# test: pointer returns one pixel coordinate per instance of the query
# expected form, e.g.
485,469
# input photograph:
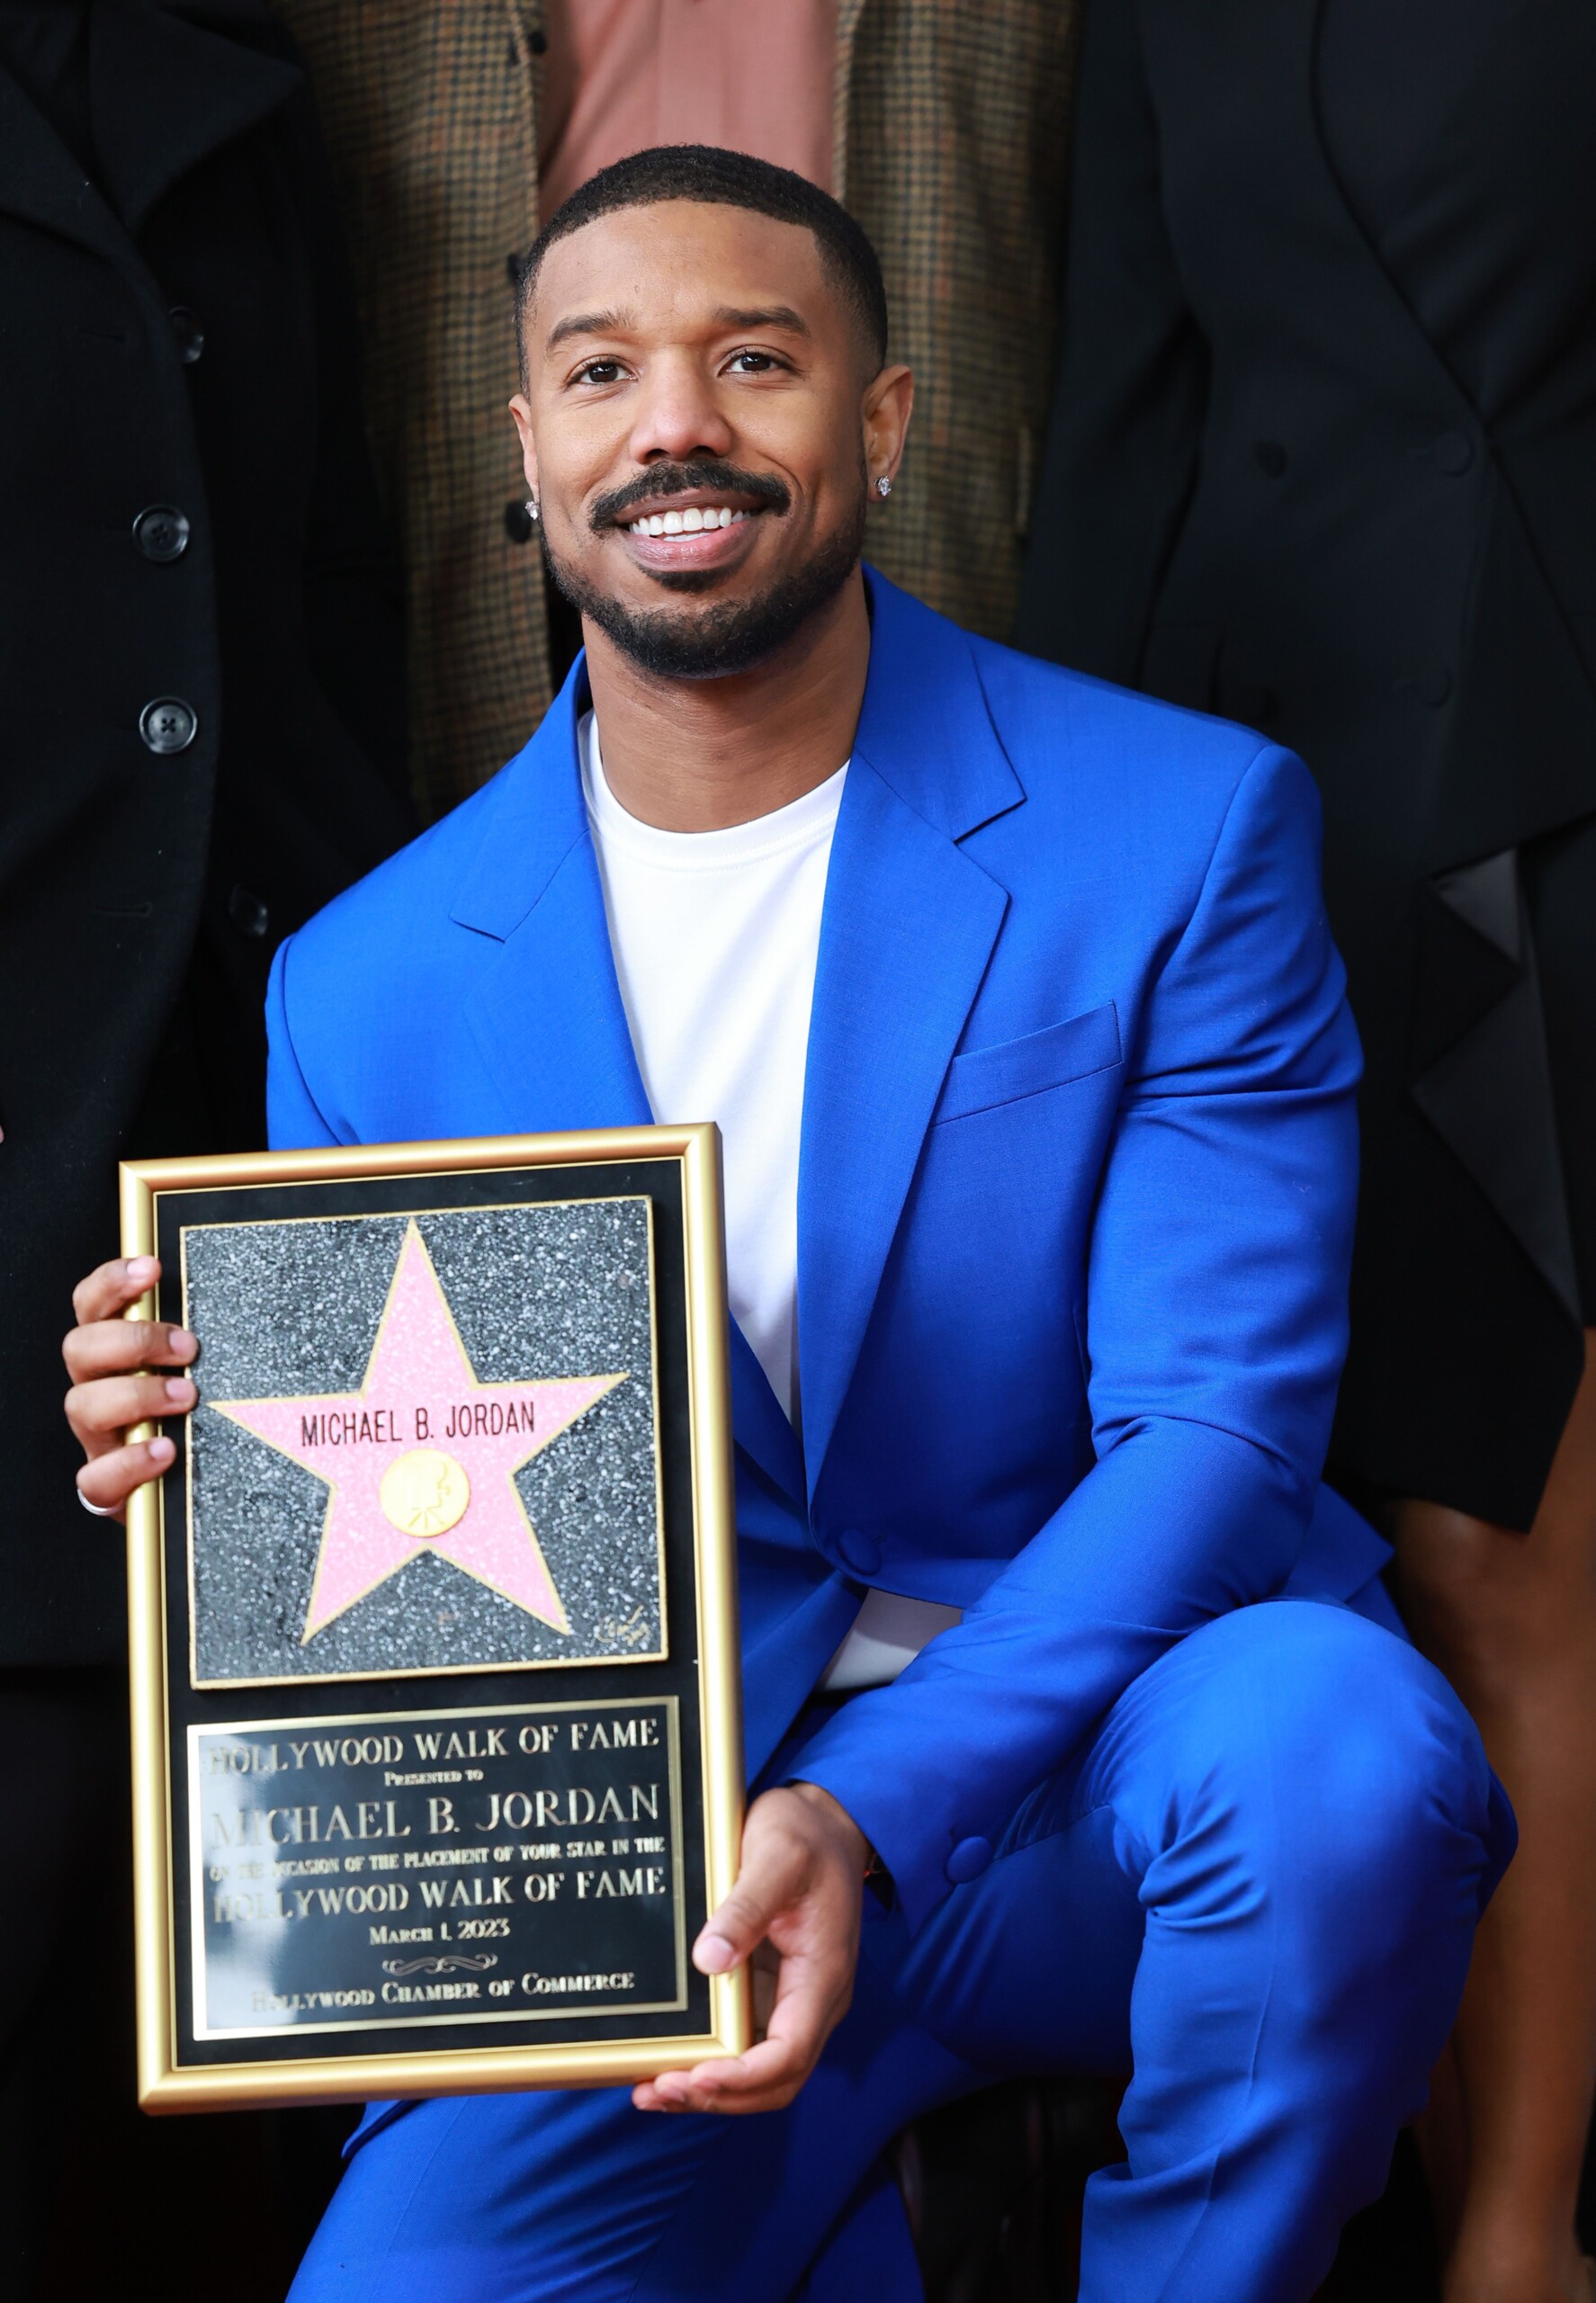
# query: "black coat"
1323,459
201,718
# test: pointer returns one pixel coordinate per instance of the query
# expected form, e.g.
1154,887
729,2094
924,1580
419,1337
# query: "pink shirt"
753,74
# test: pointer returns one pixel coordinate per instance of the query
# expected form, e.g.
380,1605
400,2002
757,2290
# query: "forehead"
669,268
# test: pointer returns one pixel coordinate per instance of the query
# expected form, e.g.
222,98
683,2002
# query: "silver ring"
100,1510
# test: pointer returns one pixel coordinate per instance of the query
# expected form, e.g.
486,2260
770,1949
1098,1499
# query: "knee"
1349,1770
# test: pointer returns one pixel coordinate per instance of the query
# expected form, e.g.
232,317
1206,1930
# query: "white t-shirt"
715,935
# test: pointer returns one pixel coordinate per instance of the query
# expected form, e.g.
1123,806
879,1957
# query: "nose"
677,419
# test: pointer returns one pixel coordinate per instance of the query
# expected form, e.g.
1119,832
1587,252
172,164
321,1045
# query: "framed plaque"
437,1763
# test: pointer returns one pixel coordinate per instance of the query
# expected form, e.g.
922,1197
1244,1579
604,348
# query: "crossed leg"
1259,1882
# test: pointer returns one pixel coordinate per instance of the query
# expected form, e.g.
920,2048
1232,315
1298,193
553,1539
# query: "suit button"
162,533
168,724
190,335
1454,453
968,1860
247,913
860,1552
1272,458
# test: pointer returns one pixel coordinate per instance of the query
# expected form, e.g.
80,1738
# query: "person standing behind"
1323,459
943,125
199,654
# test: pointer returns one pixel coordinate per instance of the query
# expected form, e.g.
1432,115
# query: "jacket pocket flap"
1051,1058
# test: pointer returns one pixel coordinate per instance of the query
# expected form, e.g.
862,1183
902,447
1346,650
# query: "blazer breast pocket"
985,1077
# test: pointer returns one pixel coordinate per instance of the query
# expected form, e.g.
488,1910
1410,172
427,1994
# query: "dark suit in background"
201,741
1323,459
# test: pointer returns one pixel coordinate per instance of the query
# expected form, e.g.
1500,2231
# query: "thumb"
769,1879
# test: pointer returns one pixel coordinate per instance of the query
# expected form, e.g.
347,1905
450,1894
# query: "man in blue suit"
1014,998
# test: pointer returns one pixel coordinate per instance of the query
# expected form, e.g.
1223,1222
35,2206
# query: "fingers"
812,1996
112,1288
116,1347
109,1479
798,1894
766,2079
105,1355
99,1410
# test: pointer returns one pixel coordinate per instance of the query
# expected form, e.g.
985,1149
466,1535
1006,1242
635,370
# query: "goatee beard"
724,637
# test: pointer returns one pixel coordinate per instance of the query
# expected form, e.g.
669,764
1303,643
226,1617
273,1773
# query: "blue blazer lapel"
760,1421
909,926
547,1014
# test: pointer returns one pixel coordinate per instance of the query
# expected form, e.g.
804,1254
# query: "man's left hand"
798,1895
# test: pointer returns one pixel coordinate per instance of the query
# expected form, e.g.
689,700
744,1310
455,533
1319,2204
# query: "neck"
699,755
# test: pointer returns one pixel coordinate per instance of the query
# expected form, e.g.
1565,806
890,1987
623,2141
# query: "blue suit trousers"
1255,1887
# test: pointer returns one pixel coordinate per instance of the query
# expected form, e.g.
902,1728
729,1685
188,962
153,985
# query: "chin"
728,635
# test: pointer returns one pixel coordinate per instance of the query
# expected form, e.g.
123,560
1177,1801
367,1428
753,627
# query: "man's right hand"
104,1353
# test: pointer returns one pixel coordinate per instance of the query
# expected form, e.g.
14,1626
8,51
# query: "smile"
708,532
693,521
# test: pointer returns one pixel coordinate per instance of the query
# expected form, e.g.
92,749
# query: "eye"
599,372
754,363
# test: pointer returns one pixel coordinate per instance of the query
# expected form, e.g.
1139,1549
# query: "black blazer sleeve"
1133,380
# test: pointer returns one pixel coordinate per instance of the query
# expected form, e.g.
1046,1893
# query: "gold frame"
163,2085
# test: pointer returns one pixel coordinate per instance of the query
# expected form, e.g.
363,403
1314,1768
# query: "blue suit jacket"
1076,1197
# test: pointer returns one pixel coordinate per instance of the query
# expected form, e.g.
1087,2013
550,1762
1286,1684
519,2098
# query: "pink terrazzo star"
422,1458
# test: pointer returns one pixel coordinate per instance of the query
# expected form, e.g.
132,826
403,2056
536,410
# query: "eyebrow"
764,316
590,323
619,323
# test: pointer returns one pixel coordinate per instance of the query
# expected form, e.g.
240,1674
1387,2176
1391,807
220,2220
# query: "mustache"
763,488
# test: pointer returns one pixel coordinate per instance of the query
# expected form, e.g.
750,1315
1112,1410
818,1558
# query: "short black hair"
723,179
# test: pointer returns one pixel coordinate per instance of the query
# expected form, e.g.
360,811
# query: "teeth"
690,522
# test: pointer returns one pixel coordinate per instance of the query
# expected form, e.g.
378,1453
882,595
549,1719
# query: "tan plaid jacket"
950,132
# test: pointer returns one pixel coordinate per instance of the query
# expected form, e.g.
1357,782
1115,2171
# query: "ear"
523,416
888,405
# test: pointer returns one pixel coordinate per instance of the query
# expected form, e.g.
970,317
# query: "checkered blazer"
952,120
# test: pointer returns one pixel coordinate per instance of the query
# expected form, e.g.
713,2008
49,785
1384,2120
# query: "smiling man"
1013,998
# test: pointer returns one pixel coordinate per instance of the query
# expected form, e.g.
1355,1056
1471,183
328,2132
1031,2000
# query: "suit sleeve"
1216,1326
293,1122
1131,385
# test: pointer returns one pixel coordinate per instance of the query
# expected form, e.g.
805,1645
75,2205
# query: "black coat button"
248,913
162,533
1454,453
190,335
518,522
168,724
1272,458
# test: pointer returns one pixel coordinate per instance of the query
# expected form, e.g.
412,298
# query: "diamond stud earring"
883,486
532,507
